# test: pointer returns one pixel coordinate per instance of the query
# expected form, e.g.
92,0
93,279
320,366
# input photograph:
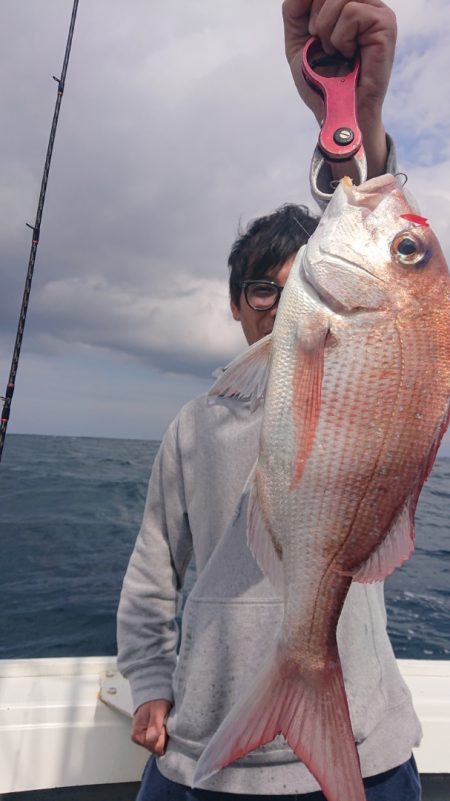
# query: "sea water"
70,510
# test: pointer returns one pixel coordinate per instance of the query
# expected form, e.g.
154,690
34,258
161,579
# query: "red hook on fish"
340,138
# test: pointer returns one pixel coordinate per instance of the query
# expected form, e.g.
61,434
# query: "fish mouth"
335,265
371,193
385,182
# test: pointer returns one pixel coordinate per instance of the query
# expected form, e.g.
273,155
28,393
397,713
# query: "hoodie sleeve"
147,633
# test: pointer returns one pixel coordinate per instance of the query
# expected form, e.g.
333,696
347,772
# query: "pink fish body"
356,403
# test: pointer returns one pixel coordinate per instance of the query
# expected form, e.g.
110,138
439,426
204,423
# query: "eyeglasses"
261,295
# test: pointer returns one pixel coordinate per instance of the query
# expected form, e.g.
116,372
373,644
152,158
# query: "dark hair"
267,243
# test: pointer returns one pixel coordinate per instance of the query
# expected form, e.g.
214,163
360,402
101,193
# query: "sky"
179,122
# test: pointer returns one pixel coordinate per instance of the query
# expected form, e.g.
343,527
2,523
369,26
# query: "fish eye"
409,250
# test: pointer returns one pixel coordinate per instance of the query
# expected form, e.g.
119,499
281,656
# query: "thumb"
153,730
156,735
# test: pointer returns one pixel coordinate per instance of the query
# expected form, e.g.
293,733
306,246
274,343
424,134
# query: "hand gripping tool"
340,138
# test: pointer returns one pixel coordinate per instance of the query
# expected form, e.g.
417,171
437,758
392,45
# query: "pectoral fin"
395,549
307,398
246,376
398,544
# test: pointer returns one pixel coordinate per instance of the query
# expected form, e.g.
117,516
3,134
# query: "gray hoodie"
233,614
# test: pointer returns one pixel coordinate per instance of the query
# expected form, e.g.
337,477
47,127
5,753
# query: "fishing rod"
36,228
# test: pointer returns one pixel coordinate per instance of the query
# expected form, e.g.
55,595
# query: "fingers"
155,739
296,19
337,23
296,25
342,25
149,728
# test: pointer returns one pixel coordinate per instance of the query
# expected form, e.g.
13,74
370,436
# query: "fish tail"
310,709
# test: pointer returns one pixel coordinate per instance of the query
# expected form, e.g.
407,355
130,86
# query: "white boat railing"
65,722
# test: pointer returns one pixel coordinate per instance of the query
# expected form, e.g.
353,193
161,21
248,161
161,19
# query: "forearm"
147,634
375,145
375,148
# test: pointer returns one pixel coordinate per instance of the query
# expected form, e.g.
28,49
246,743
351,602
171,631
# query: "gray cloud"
173,126
179,120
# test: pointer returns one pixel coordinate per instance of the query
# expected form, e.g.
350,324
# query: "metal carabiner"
340,138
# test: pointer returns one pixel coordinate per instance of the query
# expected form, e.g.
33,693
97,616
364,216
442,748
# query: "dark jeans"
398,784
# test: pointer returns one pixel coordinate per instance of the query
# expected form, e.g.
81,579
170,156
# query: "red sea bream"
356,403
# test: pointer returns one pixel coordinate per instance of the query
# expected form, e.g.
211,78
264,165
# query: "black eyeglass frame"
245,284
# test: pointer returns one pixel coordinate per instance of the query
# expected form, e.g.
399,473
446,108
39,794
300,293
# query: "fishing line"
7,398
308,233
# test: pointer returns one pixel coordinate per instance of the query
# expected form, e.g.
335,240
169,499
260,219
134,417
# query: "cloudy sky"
179,121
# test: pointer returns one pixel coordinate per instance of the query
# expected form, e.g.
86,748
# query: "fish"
355,382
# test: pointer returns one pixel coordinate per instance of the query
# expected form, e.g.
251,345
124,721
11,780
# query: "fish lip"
377,183
368,195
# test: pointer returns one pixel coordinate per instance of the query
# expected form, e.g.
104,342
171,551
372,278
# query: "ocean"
70,510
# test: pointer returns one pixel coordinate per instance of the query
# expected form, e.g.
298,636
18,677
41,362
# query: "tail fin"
310,709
